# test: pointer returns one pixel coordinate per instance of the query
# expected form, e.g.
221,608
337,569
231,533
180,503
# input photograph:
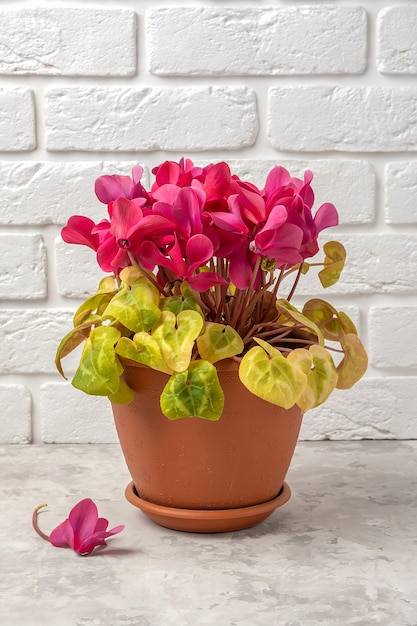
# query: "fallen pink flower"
82,531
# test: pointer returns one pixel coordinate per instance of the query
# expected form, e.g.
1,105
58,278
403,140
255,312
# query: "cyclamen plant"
197,265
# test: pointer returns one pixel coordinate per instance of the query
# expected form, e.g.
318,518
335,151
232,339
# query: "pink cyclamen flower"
83,530
110,187
198,250
79,230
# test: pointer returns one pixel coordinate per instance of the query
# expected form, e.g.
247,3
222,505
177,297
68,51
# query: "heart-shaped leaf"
354,364
193,393
123,395
104,294
135,306
130,275
219,341
334,262
99,369
270,376
292,316
73,339
143,349
321,374
333,324
175,336
177,304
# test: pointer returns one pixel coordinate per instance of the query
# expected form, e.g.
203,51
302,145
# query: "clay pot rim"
207,515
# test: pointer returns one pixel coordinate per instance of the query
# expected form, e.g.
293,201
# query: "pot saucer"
207,520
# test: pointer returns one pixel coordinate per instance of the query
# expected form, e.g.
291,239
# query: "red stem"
35,522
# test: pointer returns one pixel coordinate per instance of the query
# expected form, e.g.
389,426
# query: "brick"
376,263
68,41
50,192
401,192
396,40
77,271
331,180
131,119
322,118
22,267
29,339
245,41
15,416
71,416
391,336
17,120
374,408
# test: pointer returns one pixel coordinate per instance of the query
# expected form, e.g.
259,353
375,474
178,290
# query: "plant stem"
297,278
237,306
200,301
35,522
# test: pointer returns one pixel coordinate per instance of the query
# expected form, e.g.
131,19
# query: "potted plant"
193,337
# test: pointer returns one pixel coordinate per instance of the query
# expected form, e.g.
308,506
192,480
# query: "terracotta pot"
196,475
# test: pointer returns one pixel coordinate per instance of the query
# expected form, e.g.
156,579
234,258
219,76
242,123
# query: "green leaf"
124,395
292,316
270,376
143,349
106,290
268,265
321,374
346,323
193,393
73,339
175,336
333,324
177,304
354,364
135,306
219,341
334,262
99,370
130,275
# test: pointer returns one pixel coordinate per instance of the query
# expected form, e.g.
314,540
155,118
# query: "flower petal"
278,177
326,216
106,254
79,230
125,218
240,267
111,187
190,202
217,180
63,535
205,280
199,250
83,519
97,539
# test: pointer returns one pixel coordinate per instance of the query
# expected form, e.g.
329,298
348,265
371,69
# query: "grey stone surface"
341,552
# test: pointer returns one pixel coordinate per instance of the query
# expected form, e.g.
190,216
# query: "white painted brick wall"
22,267
390,329
375,265
325,117
88,88
68,42
153,119
17,120
29,338
401,192
257,41
16,414
67,420
397,43
40,193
